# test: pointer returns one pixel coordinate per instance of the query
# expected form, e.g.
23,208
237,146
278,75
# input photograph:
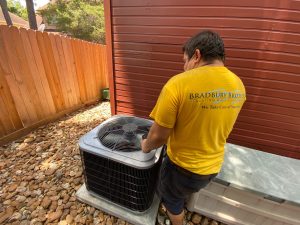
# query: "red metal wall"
262,40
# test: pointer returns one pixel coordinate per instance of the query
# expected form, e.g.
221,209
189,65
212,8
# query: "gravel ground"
40,174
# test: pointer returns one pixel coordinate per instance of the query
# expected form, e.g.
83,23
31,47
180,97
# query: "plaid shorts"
176,184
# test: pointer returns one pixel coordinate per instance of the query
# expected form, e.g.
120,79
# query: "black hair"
209,43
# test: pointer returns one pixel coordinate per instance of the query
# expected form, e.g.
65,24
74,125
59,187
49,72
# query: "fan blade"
144,128
111,139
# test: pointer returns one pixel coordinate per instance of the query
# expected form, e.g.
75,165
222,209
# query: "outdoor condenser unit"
115,168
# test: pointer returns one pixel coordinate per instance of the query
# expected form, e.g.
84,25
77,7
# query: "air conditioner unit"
117,173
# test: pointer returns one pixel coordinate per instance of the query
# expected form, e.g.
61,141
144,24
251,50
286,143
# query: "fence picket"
93,70
68,60
9,103
56,48
41,70
86,70
7,124
79,70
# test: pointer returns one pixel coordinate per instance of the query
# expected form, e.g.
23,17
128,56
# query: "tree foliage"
82,19
15,7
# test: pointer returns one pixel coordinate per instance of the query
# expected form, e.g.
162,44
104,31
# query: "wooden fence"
43,76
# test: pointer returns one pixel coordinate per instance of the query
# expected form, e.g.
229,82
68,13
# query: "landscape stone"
54,216
196,218
39,175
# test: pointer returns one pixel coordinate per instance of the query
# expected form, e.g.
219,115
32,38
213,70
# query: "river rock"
2,165
63,222
69,219
101,216
68,205
36,221
26,215
21,198
65,197
6,214
12,187
21,189
77,181
7,202
52,193
66,185
53,205
25,222
109,221
59,174
46,202
73,213
29,140
54,216
196,218
50,172
205,221
15,217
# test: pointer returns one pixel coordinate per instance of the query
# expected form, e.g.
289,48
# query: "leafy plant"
82,19
15,7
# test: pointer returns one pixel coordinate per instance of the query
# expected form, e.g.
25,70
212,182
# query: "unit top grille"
124,133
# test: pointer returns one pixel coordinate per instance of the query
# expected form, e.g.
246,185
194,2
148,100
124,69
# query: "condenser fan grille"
124,134
124,185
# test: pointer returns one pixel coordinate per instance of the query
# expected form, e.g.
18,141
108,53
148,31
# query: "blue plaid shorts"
176,184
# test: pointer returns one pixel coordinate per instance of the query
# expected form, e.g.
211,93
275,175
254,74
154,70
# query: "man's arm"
157,136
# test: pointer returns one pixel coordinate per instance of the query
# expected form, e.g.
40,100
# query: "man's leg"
176,219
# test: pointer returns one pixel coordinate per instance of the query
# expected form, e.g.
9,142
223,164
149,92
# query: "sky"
37,3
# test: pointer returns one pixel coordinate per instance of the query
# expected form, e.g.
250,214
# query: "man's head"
205,47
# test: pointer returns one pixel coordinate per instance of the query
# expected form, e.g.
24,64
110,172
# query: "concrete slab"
262,172
145,218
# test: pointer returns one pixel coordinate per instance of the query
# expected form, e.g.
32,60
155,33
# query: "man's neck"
213,63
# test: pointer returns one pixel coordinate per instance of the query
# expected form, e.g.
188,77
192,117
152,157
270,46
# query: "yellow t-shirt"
201,105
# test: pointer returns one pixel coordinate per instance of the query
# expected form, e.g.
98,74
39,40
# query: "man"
194,115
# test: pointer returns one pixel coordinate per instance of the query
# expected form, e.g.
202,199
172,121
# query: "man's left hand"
157,136
143,145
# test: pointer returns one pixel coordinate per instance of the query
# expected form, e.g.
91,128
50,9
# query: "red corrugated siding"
262,40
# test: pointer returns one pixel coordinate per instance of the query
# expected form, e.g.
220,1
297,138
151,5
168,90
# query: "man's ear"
197,56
